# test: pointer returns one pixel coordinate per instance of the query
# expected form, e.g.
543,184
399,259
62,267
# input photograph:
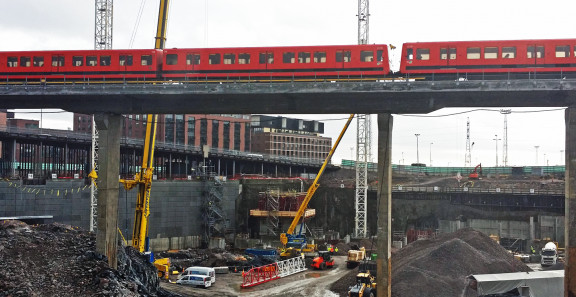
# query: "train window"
535,52
410,54
146,60
244,58
379,55
422,54
214,59
319,57
77,60
126,60
266,58
193,59
105,60
366,56
288,57
24,61
343,56
12,61
304,57
172,59
490,53
473,53
38,61
562,51
57,61
229,59
509,52
92,61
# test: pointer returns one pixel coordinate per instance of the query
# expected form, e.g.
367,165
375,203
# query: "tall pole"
363,136
505,112
417,151
431,143
468,155
496,139
536,147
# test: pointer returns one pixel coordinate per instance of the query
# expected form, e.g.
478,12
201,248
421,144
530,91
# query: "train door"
535,54
126,61
57,63
265,60
192,61
343,57
448,54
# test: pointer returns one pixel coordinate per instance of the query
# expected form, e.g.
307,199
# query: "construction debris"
60,260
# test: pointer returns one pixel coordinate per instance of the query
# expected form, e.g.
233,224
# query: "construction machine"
365,285
323,261
477,173
143,179
295,244
355,256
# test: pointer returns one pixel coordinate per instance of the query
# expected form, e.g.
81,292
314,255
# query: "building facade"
292,138
220,131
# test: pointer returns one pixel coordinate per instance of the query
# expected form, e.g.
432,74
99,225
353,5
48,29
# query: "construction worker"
331,250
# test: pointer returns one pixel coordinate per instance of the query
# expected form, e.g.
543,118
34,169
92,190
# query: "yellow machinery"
294,244
143,179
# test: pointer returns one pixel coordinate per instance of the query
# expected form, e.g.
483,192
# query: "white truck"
549,254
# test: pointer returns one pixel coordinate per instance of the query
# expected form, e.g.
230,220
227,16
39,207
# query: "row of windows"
342,56
58,61
507,52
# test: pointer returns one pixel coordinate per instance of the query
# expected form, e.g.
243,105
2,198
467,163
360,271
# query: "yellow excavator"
295,244
143,179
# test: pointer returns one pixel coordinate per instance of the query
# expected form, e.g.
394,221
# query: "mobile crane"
293,244
143,179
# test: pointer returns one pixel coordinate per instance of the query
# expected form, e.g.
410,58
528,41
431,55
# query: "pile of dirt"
440,266
60,260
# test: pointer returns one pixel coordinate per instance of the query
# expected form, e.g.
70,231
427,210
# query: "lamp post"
417,153
431,143
496,139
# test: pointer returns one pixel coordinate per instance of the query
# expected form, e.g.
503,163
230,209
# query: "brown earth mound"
438,267
60,260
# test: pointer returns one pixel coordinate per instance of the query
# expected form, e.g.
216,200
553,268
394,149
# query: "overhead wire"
137,24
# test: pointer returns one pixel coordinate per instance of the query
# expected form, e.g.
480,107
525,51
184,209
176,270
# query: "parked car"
195,280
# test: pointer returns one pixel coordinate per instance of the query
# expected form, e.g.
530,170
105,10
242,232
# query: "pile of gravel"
60,260
439,267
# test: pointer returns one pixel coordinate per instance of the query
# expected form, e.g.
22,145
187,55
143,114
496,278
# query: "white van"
195,280
198,270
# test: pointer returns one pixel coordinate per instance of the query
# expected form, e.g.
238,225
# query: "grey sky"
69,24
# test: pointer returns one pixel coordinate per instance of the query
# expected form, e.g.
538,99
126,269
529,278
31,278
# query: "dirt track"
308,283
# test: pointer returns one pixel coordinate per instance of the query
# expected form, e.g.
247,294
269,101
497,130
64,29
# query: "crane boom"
286,237
144,178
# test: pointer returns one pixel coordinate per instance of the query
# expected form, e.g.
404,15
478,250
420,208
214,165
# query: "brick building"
293,138
223,131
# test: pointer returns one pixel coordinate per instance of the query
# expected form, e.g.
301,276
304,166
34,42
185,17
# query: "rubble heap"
60,260
439,266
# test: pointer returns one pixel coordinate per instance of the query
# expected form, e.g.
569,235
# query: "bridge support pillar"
109,128
383,263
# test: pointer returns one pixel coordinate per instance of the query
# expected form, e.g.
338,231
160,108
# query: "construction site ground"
308,283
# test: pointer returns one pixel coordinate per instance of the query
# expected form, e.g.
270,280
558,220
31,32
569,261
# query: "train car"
82,64
298,62
502,59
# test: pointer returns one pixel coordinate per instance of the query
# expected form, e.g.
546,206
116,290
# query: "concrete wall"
174,206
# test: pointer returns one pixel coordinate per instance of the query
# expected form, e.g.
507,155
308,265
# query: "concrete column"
14,158
109,127
384,233
570,204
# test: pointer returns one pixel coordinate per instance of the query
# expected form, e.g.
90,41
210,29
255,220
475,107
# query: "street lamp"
417,153
431,143
496,139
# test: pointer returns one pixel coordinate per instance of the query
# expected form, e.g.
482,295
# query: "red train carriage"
491,59
277,62
74,65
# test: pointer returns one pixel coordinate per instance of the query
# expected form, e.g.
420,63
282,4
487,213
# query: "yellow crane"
143,179
296,243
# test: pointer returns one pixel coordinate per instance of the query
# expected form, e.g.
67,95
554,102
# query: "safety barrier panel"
266,273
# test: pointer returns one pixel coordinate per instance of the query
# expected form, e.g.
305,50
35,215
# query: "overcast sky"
69,24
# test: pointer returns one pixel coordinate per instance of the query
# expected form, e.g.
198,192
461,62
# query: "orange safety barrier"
260,275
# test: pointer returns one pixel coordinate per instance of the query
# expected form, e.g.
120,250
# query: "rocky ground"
60,260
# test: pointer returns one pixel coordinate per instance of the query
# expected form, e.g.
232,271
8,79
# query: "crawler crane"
143,179
294,244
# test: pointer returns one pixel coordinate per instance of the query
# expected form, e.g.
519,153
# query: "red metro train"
505,59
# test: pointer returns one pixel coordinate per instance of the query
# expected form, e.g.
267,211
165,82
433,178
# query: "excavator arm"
288,236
